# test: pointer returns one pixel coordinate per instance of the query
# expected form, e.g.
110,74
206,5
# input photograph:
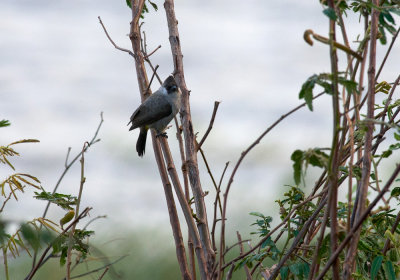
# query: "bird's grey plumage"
156,111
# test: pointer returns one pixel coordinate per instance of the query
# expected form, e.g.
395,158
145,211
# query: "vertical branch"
71,233
246,269
190,147
134,35
334,158
185,208
366,168
173,215
187,196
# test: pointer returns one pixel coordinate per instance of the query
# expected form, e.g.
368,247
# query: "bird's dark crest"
170,81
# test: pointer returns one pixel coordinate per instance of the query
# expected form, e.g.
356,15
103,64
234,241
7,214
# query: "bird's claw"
162,134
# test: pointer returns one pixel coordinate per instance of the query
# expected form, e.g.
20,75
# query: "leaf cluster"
61,243
65,201
145,9
324,80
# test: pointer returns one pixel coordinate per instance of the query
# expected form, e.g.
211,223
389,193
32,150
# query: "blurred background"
58,71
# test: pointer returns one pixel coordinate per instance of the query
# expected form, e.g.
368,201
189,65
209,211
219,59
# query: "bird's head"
170,85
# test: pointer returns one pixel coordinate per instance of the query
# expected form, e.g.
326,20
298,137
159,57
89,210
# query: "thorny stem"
334,158
366,164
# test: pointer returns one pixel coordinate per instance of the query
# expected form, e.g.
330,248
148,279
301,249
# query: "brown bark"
188,132
143,83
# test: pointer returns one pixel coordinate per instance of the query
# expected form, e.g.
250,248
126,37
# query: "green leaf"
318,158
154,5
330,13
297,157
284,271
388,16
4,123
389,271
31,236
257,214
376,266
63,200
397,136
295,268
306,269
306,91
395,192
350,86
128,3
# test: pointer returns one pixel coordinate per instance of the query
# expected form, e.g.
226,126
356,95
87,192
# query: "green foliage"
301,159
63,200
61,243
386,10
330,13
268,248
324,80
376,266
40,233
4,123
145,9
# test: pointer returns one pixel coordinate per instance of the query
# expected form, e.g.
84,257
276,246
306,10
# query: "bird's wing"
153,109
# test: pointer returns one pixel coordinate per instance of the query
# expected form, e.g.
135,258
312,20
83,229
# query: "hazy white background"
58,71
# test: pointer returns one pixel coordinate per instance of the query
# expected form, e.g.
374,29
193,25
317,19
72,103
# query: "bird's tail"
141,142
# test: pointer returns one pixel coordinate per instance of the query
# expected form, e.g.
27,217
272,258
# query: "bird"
156,112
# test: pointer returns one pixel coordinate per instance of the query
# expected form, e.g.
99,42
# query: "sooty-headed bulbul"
156,112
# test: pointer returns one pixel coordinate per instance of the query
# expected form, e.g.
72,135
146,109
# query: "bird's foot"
162,134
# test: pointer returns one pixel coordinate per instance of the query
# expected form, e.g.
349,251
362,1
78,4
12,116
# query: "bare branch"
112,42
210,126
150,54
387,54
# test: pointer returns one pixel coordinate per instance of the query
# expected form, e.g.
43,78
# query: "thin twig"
387,54
104,273
94,219
217,202
112,42
152,77
246,269
240,242
66,158
210,126
72,231
98,269
5,201
91,142
150,54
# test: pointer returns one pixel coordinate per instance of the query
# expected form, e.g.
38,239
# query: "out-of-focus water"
58,71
